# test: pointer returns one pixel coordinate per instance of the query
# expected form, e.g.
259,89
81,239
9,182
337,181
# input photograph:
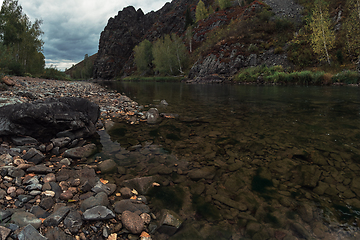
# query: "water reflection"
256,162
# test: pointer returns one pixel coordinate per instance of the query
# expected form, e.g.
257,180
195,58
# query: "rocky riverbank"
47,189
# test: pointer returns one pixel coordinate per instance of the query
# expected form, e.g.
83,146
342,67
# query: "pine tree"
188,19
201,12
322,37
352,27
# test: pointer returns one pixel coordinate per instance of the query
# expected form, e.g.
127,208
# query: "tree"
201,12
188,19
224,4
21,39
143,56
322,37
170,55
352,27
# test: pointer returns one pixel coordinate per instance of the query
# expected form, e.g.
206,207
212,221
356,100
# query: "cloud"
72,28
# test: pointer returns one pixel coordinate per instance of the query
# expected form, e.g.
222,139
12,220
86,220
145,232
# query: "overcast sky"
72,28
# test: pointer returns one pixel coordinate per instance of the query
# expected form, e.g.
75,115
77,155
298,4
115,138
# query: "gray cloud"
72,28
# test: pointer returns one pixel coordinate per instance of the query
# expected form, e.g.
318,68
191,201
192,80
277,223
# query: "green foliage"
188,19
201,12
352,28
323,37
276,74
53,73
348,77
170,55
83,70
223,4
265,15
20,41
143,56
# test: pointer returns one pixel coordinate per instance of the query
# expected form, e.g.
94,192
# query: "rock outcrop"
129,28
44,119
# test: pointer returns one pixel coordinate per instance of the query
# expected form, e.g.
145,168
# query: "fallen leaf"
104,181
135,192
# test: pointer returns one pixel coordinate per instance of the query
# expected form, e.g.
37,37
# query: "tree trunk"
324,39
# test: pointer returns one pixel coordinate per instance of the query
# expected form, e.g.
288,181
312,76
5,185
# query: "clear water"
278,162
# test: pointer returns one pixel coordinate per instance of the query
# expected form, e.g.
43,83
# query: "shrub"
278,50
349,77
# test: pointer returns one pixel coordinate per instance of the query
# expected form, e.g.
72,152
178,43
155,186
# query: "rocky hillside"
246,34
129,28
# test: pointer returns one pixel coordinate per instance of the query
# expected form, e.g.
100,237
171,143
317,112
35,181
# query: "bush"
349,77
53,73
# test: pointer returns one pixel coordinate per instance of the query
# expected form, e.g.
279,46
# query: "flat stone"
100,199
170,222
33,187
60,142
57,233
4,232
40,169
47,203
130,205
98,213
24,218
4,214
39,212
100,187
16,172
25,198
56,217
227,201
132,222
80,152
29,232
21,141
205,172
73,221
142,185
34,156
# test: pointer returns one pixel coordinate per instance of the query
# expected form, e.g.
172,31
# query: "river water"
252,162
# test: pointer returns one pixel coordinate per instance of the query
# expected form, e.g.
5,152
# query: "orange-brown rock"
8,81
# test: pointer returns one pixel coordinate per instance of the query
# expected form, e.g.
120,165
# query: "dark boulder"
43,119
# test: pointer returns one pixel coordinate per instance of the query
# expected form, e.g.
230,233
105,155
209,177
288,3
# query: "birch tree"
322,37
143,56
352,27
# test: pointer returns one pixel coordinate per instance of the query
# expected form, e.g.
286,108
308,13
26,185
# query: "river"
262,162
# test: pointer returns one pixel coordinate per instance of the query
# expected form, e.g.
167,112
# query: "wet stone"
29,232
130,205
170,222
98,213
142,185
205,172
132,222
80,152
108,166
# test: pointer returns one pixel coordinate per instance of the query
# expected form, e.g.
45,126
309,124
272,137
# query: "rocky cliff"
129,28
221,55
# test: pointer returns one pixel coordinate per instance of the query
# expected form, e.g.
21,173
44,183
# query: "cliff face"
128,29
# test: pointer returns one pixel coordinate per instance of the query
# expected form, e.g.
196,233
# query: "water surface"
256,162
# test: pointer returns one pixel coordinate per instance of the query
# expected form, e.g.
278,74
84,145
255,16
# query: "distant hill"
83,69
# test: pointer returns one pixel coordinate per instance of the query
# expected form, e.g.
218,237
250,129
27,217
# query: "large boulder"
43,119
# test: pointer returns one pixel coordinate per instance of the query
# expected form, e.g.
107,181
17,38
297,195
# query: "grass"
276,74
